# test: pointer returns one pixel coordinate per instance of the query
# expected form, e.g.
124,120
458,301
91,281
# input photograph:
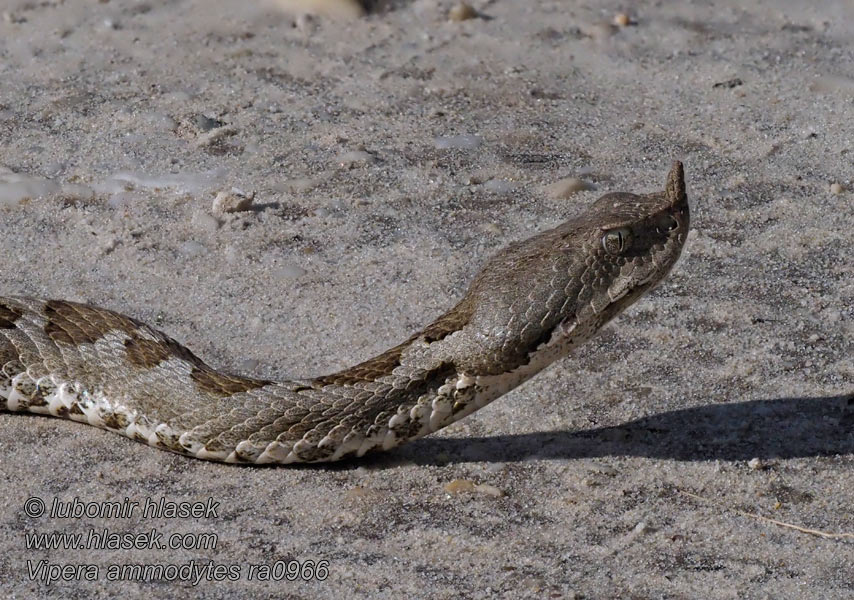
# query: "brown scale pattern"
8,316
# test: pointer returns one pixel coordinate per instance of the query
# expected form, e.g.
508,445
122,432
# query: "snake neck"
421,391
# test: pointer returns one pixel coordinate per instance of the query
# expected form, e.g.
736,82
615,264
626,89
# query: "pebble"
301,185
108,242
459,485
729,83
461,12
214,135
233,201
54,168
565,188
356,493
458,142
836,188
78,191
601,31
337,204
622,19
290,272
232,255
489,490
192,248
338,9
355,158
755,464
204,221
205,123
122,200
476,178
499,186
12,18
248,364
491,228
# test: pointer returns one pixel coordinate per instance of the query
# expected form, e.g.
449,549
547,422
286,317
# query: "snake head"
561,286
641,238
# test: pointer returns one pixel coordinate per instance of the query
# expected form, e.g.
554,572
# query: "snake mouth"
618,292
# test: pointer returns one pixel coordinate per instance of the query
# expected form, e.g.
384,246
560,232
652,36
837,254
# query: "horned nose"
676,184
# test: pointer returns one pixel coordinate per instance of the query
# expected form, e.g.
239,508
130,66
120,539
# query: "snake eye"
617,241
667,224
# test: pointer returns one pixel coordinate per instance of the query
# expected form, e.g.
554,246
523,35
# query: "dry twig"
816,532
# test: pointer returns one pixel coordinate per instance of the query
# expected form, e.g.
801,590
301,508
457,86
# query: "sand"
385,157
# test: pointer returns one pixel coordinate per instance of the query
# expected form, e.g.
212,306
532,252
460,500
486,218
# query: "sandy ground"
389,156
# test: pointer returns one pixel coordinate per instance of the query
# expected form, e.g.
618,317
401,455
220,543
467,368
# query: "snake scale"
532,303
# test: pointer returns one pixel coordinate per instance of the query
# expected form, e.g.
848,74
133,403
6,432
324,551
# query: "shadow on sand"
765,429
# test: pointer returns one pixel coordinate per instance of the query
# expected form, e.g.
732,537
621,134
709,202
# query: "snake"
532,303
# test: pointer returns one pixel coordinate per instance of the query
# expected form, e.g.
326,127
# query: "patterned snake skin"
532,303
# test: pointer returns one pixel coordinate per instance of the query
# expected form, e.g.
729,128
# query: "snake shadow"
766,429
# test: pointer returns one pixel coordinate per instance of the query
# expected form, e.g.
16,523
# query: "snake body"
532,303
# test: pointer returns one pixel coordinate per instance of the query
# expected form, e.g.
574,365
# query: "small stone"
836,188
491,228
108,242
458,142
601,31
248,364
755,464
78,192
534,584
356,493
192,249
205,123
476,177
622,20
489,490
159,121
640,528
203,221
213,136
729,83
337,204
499,186
306,23
122,200
565,188
301,185
336,9
290,271
233,201
458,486
12,18
355,158
232,254
461,12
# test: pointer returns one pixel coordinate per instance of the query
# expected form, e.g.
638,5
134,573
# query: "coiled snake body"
532,303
